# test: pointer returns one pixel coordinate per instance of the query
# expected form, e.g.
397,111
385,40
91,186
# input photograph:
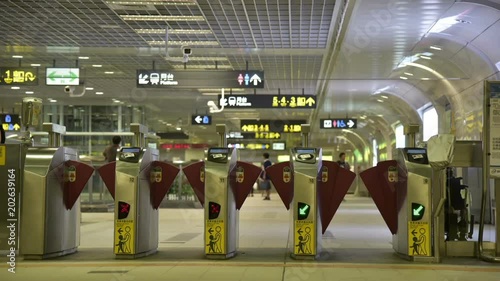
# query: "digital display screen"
416,151
303,151
218,150
131,150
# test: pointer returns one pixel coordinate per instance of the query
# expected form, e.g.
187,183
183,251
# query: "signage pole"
305,129
221,130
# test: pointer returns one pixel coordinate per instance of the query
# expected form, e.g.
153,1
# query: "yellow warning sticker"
2,155
215,237
419,239
124,237
304,238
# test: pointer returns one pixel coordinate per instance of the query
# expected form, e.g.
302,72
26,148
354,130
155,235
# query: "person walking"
343,164
265,180
110,152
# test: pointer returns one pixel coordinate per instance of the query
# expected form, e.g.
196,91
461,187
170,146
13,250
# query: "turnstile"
413,239
136,221
50,217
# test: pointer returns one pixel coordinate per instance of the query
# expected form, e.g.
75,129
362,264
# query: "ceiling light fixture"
154,2
83,58
184,43
435,48
35,64
385,97
161,18
202,66
379,100
210,94
425,78
15,88
404,78
408,73
178,128
197,58
108,72
99,93
97,65
53,100
218,90
30,92
116,101
425,57
172,31
89,89
17,57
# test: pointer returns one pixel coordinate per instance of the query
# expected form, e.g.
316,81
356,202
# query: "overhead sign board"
183,145
252,136
62,76
196,79
250,146
201,120
10,122
268,101
348,123
268,126
279,146
18,76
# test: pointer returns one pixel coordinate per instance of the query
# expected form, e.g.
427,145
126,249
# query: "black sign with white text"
268,101
338,123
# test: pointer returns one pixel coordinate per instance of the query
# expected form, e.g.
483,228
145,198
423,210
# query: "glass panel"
400,136
430,123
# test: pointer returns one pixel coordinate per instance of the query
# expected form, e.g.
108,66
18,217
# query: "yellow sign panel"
2,155
419,239
215,237
124,237
304,238
267,135
293,101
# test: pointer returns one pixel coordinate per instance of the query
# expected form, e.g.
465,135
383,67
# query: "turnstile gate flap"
195,174
162,175
108,175
333,184
282,178
76,176
241,178
381,181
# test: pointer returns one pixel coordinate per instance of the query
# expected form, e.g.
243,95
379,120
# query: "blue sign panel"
338,123
201,120
10,122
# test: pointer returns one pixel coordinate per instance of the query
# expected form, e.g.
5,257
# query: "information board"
272,126
18,76
268,101
200,78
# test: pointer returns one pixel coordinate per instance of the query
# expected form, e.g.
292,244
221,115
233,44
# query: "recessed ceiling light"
17,57
154,2
424,78
30,92
435,48
15,88
380,115
108,72
379,100
169,124
425,57
402,77
83,58
116,101
53,100
97,65
409,74
173,31
385,97
202,66
210,94
178,128
161,18
89,88
35,64
184,43
99,93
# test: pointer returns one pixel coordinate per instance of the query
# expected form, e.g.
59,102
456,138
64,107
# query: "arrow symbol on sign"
414,232
210,230
416,212
299,231
255,79
198,119
120,230
302,211
16,127
350,123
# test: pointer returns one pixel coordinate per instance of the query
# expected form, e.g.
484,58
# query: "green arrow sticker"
303,210
417,211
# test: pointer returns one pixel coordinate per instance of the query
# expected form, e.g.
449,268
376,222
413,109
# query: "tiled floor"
357,248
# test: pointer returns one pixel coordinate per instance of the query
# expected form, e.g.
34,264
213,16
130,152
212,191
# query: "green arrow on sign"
72,75
416,212
53,76
303,211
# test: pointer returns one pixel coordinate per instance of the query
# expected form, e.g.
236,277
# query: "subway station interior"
250,140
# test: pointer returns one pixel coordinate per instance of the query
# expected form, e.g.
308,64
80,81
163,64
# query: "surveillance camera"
212,106
69,89
185,58
187,51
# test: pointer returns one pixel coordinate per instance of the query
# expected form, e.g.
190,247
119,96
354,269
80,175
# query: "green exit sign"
417,211
303,211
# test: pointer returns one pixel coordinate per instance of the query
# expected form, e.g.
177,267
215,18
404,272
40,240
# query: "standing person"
342,163
265,180
2,134
110,151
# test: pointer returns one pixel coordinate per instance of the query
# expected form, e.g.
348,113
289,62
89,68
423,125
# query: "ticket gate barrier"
314,188
221,183
138,183
53,179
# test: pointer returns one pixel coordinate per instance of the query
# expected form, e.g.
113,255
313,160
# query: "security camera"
69,89
187,51
211,104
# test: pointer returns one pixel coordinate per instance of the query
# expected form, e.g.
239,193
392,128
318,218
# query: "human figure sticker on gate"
324,174
287,174
392,174
304,238
240,174
419,239
71,173
124,237
215,237
202,174
156,174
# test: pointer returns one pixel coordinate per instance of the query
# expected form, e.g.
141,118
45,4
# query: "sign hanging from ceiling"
18,76
268,101
348,123
252,136
201,120
272,126
62,76
195,79
279,146
250,146
10,122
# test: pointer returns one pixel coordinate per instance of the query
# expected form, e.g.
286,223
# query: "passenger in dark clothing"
265,180
2,134
342,162
110,151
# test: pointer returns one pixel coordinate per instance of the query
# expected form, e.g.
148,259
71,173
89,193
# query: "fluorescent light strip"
15,88
404,78
35,64
108,72
408,73
17,57
89,88
155,2
435,48
184,43
173,31
161,18
83,58
216,89
210,94
100,93
209,66
198,58
30,92
425,57
97,65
